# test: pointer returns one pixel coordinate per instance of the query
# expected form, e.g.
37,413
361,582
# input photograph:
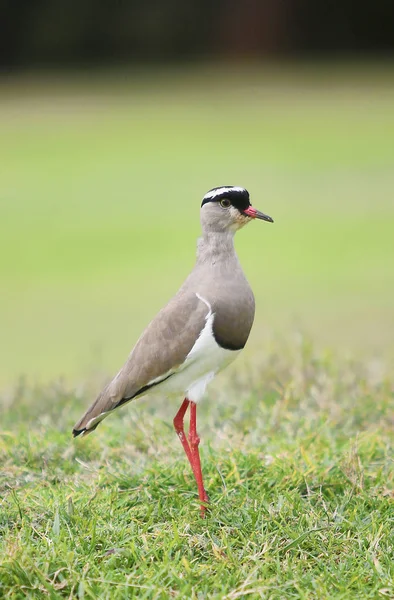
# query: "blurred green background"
101,182
115,122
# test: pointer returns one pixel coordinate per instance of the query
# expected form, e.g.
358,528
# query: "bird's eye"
225,203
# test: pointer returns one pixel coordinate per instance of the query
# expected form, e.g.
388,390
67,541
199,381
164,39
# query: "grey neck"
215,246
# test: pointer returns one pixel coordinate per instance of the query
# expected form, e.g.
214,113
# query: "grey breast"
232,303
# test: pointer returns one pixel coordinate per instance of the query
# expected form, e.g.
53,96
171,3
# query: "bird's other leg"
196,462
178,424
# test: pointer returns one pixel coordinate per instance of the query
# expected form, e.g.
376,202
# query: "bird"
201,330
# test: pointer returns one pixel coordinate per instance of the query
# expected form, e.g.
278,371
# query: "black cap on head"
238,196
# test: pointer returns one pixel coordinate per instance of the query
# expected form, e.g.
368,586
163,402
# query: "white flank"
227,188
202,363
204,339
95,420
208,356
191,378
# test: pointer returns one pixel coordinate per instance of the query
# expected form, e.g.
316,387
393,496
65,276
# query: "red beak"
256,214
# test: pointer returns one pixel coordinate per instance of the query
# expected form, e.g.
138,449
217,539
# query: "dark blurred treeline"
36,33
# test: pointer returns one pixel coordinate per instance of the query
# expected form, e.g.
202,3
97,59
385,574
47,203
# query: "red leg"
178,424
191,451
194,443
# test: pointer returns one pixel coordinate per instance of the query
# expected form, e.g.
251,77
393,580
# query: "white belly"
191,378
202,363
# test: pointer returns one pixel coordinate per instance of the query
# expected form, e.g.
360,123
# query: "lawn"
298,463
100,183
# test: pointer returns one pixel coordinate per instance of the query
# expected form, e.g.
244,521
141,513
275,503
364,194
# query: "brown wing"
162,347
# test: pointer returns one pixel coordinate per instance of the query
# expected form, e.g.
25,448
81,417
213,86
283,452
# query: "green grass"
100,183
297,458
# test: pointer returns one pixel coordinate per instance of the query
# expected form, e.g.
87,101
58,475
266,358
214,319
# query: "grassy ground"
100,185
299,468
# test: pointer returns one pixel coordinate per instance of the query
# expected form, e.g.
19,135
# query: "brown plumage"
172,330
199,332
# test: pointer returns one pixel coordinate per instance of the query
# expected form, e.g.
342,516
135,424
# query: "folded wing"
159,353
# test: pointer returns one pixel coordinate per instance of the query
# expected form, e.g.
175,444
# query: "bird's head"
228,208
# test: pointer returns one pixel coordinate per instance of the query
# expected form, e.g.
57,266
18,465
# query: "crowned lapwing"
200,331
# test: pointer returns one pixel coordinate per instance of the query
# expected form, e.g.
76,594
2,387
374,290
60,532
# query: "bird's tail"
106,402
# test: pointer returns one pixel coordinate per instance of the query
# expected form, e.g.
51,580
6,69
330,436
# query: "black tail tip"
77,432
